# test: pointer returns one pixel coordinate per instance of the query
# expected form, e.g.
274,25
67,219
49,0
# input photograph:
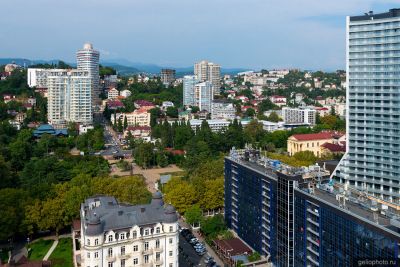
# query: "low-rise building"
278,100
313,142
139,117
125,93
323,111
142,132
112,93
144,104
118,234
223,110
185,115
85,128
306,116
167,104
215,125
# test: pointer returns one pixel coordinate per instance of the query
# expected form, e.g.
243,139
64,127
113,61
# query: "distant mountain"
123,66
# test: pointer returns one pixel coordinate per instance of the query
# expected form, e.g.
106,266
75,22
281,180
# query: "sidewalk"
210,250
52,248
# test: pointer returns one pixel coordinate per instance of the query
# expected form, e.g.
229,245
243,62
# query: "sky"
253,34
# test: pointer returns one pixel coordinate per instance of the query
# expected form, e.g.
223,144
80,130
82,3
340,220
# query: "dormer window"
134,234
157,230
146,232
88,242
122,236
110,238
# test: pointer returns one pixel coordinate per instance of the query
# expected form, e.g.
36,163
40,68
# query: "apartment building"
189,81
299,115
203,95
167,76
373,113
69,97
215,125
116,234
208,71
299,217
88,60
223,110
112,93
37,77
139,117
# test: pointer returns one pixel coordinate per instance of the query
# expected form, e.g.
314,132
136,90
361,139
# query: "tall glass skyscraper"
372,162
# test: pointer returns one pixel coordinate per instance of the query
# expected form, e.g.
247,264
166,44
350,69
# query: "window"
110,264
135,261
96,242
171,228
157,230
170,253
88,255
110,238
135,248
123,263
122,236
110,252
171,265
146,232
88,242
134,234
96,255
123,250
171,240
146,246
146,258
157,243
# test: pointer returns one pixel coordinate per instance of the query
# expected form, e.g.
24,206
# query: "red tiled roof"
141,128
143,103
115,103
317,136
334,147
175,151
233,246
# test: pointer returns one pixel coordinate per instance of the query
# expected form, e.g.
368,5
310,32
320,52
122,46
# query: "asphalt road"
188,256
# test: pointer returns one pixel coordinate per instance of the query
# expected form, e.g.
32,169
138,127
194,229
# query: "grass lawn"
62,255
39,249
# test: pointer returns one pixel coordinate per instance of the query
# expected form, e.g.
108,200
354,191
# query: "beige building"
139,117
208,71
113,93
313,142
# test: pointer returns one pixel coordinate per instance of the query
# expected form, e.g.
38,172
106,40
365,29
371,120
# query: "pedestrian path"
53,247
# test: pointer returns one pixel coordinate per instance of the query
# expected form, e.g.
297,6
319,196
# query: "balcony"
147,264
309,248
124,256
147,251
158,249
311,259
110,258
158,261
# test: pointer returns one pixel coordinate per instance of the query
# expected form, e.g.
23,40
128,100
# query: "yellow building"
313,142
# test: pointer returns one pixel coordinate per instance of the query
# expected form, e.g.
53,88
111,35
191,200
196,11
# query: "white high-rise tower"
372,162
208,71
88,60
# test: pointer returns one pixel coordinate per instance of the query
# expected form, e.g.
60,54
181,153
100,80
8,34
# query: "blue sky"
308,34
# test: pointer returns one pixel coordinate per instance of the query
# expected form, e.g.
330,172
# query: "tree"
305,156
273,117
255,256
213,197
172,112
250,112
180,194
254,131
144,154
120,126
6,178
213,225
125,122
194,215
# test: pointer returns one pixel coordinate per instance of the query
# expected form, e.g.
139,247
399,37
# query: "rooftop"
104,213
392,13
317,136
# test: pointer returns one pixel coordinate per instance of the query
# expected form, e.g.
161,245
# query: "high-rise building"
122,235
203,96
208,71
300,217
167,76
87,59
37,77
372,162
189,81
69,97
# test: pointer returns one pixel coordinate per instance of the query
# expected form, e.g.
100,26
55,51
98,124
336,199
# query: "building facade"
37,77
299,115
87,59
223,110
69,97
189,81
167,76
203,96
299,217
313,142
139,117
122,235
208,71
373,113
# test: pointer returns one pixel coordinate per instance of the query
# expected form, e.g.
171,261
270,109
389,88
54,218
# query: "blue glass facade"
270,212
329,236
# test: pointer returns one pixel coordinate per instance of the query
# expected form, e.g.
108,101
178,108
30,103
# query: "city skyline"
250,35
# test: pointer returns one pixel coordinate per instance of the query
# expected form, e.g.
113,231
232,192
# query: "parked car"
208,259
193,241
